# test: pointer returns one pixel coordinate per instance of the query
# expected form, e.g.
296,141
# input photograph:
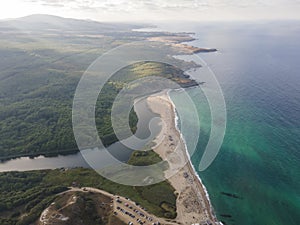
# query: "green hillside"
40,69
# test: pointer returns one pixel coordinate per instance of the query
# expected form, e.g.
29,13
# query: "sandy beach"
193,205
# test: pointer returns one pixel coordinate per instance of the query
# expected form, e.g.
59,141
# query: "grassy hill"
76,208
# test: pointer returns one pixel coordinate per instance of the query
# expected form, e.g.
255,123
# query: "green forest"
38,80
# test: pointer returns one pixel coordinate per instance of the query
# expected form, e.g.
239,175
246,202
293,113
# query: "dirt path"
126,209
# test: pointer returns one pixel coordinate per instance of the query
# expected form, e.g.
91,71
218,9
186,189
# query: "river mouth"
118,150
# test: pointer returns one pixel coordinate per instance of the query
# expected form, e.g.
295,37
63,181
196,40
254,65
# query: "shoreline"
212,211
186,181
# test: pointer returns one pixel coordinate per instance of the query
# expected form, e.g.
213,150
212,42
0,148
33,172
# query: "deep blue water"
258,68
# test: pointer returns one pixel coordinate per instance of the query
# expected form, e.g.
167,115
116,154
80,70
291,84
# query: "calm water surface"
258,68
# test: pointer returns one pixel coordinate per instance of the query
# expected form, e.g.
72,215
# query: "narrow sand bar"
193,205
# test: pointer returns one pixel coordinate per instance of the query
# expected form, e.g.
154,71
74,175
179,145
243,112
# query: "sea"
255,178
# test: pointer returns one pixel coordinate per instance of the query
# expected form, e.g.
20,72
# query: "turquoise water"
258,68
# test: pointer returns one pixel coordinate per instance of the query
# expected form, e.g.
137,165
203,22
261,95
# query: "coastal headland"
177,41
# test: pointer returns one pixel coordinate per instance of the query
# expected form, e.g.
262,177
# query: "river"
118,150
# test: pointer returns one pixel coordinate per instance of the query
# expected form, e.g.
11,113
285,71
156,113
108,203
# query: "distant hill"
42,23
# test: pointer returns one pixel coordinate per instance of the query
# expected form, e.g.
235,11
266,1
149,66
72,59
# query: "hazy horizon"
155,10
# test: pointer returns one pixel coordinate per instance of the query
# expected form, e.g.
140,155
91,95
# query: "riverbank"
193,204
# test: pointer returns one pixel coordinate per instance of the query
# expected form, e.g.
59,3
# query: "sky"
155,10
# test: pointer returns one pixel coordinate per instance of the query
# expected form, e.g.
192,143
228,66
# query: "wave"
176,121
